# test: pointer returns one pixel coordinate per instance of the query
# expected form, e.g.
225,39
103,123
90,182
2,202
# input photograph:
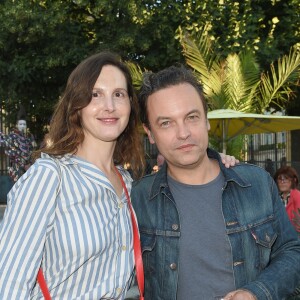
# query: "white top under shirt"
79,231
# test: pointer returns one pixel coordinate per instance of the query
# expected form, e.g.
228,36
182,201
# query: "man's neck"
202,173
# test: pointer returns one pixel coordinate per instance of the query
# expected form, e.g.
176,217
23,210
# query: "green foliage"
236,81
41,41
136,73
234,147
280,84
39,47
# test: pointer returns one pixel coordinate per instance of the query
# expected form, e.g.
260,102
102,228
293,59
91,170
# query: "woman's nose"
109,103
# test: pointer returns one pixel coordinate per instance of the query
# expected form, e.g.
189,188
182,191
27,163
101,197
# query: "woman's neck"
284,195
101,155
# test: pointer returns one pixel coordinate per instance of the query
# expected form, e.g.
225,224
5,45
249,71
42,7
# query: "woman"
68,213
287,181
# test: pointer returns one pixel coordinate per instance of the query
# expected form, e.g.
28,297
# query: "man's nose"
183,131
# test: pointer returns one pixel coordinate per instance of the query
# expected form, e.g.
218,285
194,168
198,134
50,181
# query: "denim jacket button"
175,226
173,266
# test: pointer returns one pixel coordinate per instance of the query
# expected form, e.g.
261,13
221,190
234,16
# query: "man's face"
178,125
21,125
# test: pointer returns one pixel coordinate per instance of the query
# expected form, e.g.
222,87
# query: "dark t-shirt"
205,260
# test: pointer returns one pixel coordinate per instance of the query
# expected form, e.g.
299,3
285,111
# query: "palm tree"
236,82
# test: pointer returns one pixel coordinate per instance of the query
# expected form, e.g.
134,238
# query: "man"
207,232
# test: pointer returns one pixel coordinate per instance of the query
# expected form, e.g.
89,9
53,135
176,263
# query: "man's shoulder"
244,166
146,180
247,166
250,172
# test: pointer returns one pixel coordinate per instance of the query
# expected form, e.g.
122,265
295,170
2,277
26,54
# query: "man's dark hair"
174,75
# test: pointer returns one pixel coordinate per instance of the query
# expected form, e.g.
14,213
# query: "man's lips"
185,147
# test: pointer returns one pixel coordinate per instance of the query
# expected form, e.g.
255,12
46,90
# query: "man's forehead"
164,103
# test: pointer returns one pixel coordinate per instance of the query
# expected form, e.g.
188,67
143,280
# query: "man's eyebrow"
194,111
160,118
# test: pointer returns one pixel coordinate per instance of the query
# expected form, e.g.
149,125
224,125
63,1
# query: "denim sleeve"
282,275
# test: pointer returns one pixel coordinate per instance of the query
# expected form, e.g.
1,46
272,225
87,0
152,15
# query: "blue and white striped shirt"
65,216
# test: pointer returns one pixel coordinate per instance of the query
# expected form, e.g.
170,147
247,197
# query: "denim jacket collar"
161,181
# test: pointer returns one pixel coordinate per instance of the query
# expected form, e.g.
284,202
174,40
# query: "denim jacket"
264,244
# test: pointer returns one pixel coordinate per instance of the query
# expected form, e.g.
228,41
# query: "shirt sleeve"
28,219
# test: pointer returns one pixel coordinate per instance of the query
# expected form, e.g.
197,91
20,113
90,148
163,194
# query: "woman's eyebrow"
115,89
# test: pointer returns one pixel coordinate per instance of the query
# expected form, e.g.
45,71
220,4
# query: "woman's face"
107,114
284,183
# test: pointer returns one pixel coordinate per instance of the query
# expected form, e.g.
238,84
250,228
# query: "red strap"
136,243
136,249
43,285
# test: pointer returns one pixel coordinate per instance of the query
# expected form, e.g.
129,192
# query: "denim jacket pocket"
265,237
148,242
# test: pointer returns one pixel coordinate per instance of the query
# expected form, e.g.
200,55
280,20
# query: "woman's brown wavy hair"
66,131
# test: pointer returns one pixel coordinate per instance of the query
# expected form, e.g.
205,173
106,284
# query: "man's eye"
192,117
165,124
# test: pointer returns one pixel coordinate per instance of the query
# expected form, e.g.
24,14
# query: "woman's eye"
95,94
119,94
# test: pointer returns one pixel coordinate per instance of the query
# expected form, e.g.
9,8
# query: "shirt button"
119,290
175,226
173,266
124,248
120,205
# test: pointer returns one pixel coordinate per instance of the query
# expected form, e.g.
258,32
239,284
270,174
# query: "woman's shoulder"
295,193
46,159
49,161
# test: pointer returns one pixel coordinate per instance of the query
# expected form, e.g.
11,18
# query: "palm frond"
196,55
199,56
136,74
277,87
234,84
242,80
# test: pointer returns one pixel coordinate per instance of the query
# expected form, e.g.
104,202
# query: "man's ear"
149,133
207,124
